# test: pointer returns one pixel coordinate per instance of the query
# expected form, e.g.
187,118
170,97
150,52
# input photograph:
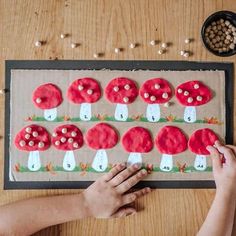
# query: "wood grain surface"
99,26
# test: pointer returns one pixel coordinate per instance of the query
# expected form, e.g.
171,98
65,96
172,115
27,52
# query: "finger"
118,179
227,152
113,172
232,147
131,197
130,182
124,212
215,157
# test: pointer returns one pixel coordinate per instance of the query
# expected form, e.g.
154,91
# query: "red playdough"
200,139
171,140
121,90
32,138
101,136
158,89
47,96
196,90
85,90
137,139
67,137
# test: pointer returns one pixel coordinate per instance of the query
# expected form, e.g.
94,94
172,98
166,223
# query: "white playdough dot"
199,98
41,144
146,95
70,140
80,87
27,136
116,88
35,134
186,93
157,86
75,145
57,143
54,134
190,100
73,134
179,90
63,139
89,91
127,87
64,130
153,98
28,130
31,143
196,86
22,143
165,95
125,99
38,100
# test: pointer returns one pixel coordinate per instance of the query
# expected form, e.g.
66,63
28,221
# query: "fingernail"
137,165
208,148
122,165
144,171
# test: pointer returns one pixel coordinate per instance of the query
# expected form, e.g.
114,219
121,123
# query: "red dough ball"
171,140
101,136
47,96
137,139
85,90
200,139
121,90
193,93
67,137
32,138
156,91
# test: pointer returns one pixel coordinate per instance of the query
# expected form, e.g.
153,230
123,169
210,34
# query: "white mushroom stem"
100,161
153,112
134,157
121,112
190,114
166,162
34,163
200,162
85,111
69,161
50,114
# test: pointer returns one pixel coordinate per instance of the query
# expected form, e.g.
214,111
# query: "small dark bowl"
226,15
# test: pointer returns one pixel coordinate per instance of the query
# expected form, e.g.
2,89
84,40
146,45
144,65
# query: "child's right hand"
224,173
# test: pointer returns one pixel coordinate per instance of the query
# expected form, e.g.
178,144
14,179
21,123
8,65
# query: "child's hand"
108,196
224,173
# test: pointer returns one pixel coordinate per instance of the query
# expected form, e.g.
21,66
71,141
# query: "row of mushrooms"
122,92
169,141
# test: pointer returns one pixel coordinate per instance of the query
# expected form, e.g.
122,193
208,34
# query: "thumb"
122,212
215,157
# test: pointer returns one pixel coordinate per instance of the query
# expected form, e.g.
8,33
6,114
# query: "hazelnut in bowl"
219,33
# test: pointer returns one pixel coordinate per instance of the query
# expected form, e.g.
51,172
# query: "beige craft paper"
25,81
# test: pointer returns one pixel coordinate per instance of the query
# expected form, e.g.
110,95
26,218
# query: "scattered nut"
187,41
164,45
73,45
153,42
38,43
132,45
117,50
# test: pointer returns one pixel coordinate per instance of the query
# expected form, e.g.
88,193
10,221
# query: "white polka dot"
125,99
31,143
28,130
41,144
179,90
165,95
157,86
63,139
190,100
57,143
127,87
80,87
54,134
22,143
38,100
90,92
73,134
196,86
146,95
70,140
186,93
199,98
27,136
75,145
64,130
153,98
116,88
35,134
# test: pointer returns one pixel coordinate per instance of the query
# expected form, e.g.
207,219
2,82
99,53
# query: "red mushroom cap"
85,90
67,137
47,96
193,93
121,90
32,138
156,91
101,136
171,140
137,139
200,139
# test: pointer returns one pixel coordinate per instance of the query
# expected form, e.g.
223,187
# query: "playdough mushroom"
33,138
84,91
121,91
197,144
154,92
67,138
48,97
137,140
192,94
170,140
100,137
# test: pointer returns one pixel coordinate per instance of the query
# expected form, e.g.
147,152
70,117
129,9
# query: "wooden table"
100,26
